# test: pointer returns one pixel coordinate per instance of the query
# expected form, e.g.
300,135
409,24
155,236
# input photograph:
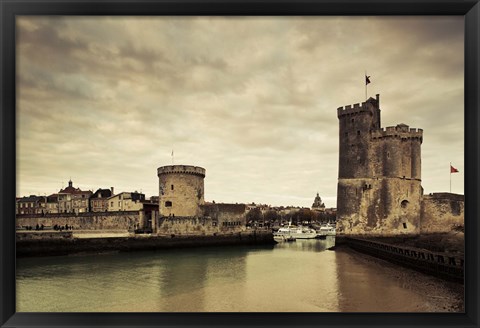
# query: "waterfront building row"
75,200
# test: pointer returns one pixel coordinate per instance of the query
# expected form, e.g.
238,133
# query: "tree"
254,215
271,216
303,215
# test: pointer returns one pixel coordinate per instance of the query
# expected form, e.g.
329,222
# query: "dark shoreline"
445,296
71,246
440,255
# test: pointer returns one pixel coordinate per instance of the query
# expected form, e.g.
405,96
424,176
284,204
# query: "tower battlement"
183,169
359,107
351,109
401,131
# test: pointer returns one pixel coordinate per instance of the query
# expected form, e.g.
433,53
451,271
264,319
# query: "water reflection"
308,244
194,281
301,276
366,284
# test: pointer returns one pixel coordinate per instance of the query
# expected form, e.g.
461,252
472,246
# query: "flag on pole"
367,79
452,169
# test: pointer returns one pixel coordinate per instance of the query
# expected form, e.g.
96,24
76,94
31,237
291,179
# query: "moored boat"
326,230
296,232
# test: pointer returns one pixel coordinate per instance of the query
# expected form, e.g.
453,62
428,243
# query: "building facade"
99,200
379,183
126,201
31,205
73,200
52,204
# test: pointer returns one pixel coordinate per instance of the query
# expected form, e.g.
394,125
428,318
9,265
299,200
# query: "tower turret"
356,124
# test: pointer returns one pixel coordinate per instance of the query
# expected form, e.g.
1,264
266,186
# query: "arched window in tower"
172,187
404,203
358,132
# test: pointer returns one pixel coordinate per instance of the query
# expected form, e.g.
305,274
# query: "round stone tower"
181,190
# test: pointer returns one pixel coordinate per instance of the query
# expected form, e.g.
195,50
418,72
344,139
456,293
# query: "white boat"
326,230
296,232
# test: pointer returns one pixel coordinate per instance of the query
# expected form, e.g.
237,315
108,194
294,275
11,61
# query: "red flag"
453,170
367,80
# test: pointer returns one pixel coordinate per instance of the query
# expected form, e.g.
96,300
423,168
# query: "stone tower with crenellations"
379,180
181,190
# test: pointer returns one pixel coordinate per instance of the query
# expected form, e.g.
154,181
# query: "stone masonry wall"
441,212
179,226
85,221
216,219
378,206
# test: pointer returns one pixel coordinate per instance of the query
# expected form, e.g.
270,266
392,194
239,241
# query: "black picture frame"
10,8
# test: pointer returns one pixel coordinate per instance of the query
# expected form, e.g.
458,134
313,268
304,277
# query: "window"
404,225
111,204
404,203
172,187
358,132
456,208
168,203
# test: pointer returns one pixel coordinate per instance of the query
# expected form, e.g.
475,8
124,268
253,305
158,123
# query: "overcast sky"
104,101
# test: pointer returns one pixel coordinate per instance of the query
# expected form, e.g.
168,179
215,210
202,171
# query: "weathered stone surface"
442,212
379,183
85,221
181,190
216,219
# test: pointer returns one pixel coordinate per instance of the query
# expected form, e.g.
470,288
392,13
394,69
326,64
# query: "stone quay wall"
66,246
84,221
442,265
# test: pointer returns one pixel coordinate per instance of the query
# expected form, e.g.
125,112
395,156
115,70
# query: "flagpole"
366,85
450,177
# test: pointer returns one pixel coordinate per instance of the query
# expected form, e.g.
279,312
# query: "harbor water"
300,276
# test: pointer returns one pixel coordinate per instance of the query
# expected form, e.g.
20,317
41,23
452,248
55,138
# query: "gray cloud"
253,100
